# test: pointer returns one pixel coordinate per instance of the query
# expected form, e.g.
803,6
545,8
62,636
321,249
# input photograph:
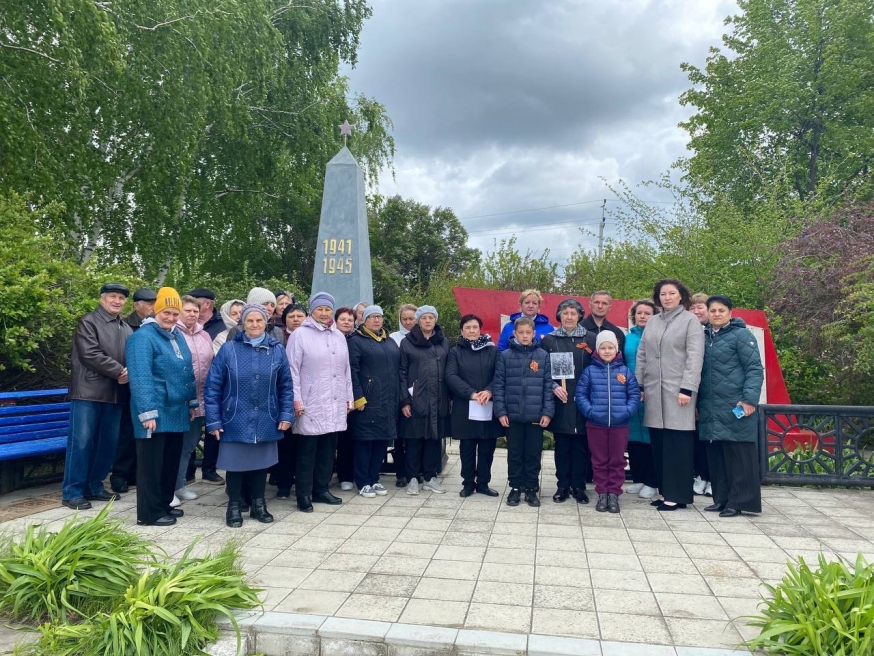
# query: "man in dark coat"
599,304
211,318
98,370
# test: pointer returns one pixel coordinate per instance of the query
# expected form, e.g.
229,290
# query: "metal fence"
817,444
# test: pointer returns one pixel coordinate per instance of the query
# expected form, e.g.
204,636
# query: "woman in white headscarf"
230,312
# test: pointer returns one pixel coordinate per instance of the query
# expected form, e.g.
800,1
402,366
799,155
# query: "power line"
554,207
545,226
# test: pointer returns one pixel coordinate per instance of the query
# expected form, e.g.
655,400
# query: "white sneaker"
708,491
346,486
413,486
634,488
434,485
367,492
379,489
176,502
699,485
185,494
647,492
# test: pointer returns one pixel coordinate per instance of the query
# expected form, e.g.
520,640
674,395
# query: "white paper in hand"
477,412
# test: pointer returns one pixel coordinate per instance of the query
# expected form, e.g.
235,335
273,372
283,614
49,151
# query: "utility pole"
601,230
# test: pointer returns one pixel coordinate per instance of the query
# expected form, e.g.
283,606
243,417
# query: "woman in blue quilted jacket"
607,396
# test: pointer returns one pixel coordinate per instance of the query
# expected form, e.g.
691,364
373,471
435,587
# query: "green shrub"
824,612
171,610
69,574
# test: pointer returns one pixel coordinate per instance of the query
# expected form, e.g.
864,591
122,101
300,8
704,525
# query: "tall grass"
828,611
66,575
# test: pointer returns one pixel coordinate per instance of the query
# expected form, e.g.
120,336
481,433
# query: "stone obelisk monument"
342,265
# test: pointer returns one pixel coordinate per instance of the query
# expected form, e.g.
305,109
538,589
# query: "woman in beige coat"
669,361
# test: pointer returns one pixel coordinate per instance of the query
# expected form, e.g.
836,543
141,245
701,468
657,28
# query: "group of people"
275,388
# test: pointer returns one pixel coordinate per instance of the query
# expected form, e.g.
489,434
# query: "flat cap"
145,294
202,292
115,287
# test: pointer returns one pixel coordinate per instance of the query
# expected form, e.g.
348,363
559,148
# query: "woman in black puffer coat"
424,399
375,362
470,371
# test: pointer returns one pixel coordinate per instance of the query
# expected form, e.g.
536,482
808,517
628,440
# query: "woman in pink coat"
322,379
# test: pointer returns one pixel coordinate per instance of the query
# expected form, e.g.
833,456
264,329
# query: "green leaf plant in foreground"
171,610
68,575
824,612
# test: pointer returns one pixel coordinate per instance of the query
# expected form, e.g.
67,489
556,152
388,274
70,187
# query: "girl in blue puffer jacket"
607,396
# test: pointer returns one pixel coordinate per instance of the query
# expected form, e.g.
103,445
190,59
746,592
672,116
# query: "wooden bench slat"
35,436
32,394
26,449
12,410
34,419
30,429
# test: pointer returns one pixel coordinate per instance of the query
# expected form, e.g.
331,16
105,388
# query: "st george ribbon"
342,263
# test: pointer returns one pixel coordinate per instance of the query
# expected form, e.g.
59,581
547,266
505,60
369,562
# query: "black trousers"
702,467
344,466
524,449
255,481
210,453
674,456
422,455
125,465
157,467
284,468
314,463
734,468
641,464
368,457
399,457
572,460
476,460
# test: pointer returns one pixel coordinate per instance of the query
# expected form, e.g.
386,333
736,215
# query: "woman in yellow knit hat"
163,401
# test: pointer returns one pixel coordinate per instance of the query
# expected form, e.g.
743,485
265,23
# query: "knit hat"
370,310
167,298
570,303
260,296
426,309
253,307
321,299
606,336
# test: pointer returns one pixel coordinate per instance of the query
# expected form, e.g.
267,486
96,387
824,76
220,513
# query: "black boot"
233,517
466,491
401,482
305,504
580,495
259,511
601,506
531,498
327,497
613,503
118,484
514,497
561,495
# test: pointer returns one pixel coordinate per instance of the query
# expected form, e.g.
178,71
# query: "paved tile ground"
681,578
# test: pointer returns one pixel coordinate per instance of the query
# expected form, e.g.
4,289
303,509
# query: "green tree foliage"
411,242
43,292
791,97
187,133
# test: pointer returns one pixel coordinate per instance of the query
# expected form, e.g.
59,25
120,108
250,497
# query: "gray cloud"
502,105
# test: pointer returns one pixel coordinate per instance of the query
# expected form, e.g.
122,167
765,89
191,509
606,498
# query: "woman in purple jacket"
319,360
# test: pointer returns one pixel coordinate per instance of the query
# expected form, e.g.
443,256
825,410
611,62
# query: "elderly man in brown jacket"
669,361
98,368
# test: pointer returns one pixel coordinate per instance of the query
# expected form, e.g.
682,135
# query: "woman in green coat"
731,383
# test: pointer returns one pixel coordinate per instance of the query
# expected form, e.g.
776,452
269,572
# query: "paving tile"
303,559
513,594
759,555
634,628
559,531
453,569
411,550
400,565
577,578
634,649
650,537
578,623
666,582
495,617
435,612
349,562
734,587
574,559
744,540
364,547
373,607
626,601
445,589
733,569
280,577
270,597
328,580
514,528
661,549
387,585
312,602
702,633
325,530
616,580
456,539
738,607
542,645
507,556
419,537
613,561
704,607
712,552
769,570
619,547
472,642
507,573
563,597
467,554
421,637
666,565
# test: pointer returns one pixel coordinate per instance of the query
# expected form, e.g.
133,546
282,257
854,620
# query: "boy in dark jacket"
607,396
524,404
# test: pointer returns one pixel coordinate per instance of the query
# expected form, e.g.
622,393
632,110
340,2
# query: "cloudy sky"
507,105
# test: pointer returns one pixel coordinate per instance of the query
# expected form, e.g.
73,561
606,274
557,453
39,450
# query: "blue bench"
32,424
